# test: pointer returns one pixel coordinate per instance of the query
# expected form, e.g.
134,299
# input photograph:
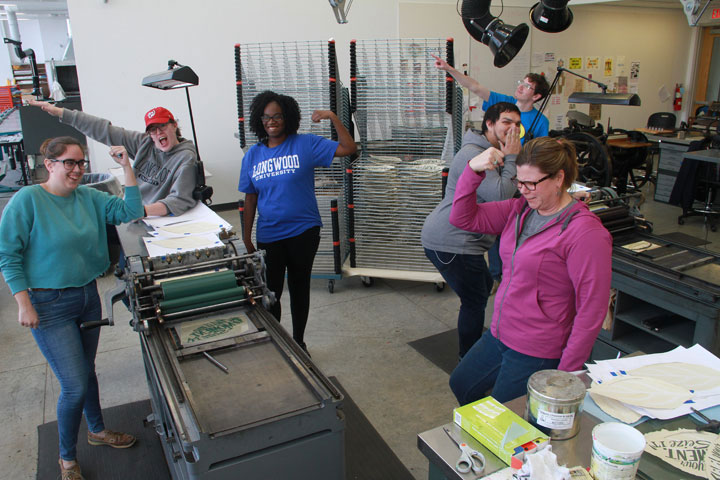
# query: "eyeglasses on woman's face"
156,128
530,186
275,118
70,164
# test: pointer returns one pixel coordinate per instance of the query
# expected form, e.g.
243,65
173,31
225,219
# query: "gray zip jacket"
166,177
437,233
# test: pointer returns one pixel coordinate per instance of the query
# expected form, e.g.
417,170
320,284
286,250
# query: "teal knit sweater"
49,241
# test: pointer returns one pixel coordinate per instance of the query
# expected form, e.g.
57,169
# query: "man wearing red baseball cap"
165,163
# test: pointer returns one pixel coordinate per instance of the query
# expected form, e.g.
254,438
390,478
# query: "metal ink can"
554,403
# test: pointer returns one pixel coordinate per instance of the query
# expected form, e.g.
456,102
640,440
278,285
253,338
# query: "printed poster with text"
575,63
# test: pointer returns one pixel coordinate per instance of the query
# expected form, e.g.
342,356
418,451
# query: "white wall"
54,38
119,42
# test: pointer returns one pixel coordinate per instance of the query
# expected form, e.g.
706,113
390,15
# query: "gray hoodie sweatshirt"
166,177
437,233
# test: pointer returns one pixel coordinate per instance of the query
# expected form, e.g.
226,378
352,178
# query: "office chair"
662,120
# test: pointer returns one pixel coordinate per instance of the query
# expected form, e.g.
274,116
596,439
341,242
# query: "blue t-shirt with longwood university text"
283,177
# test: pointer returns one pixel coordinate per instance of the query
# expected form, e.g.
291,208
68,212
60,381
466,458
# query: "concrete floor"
357,334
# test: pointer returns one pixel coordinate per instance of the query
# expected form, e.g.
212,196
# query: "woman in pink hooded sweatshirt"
556,272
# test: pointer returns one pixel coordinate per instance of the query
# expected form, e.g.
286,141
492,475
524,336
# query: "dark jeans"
469,277
296,255
491,364
70,352
494,261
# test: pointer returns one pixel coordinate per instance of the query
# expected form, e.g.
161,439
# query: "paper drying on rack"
688,450
643,392
691,376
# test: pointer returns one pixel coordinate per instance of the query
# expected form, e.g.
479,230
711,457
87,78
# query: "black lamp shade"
551,16
504,41
172,78
597,98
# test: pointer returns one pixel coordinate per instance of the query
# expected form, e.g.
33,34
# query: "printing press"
232,394
670,288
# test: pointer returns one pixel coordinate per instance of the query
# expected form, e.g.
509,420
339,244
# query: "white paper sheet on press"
199,213
164,246
608,369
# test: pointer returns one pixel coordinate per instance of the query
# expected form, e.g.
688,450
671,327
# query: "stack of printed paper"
662,385
197,228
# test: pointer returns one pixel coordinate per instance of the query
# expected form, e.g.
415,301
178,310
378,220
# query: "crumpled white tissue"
542,465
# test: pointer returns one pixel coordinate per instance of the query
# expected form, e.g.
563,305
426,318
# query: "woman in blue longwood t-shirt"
278,179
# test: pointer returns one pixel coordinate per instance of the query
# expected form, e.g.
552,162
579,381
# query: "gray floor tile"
21,408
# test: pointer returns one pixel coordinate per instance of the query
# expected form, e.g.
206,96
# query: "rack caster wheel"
681,221
367,281
331,286
439,286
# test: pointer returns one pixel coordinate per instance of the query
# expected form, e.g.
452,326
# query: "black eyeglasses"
70,164
154,129
277,117
531,186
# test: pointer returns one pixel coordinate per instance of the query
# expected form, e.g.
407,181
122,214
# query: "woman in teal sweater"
52,247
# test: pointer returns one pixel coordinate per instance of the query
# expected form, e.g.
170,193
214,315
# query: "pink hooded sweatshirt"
555,286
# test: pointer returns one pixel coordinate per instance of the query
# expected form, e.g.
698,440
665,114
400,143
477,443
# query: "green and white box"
500,430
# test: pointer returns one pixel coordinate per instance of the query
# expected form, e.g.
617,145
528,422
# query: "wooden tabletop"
626,143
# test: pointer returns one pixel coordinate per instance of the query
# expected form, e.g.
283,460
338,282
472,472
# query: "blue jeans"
490,364
70,352
494,260
469,277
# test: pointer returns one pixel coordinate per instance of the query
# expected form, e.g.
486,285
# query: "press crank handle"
94,324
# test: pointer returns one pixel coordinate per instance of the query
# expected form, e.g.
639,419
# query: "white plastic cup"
616,451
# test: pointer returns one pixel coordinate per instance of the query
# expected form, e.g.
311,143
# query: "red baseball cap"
158,115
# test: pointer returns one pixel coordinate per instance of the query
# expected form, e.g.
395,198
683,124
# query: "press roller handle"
111,297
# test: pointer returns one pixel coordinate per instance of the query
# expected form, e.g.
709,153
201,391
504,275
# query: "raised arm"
467,82
469,215
346,144
97,128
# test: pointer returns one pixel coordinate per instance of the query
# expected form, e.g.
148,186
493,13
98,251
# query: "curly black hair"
288,105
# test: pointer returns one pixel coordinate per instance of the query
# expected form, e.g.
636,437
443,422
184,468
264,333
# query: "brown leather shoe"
72,473
112,439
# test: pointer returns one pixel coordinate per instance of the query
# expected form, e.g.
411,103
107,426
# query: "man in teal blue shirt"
531,89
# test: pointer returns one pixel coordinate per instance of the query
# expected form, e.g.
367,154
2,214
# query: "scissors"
468,456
